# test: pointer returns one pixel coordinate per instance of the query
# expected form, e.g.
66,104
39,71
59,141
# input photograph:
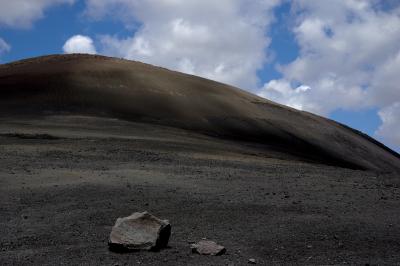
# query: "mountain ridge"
135,91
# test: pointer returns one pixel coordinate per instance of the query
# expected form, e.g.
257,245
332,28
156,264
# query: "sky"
337,58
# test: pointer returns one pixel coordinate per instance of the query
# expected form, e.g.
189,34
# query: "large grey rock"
207,247
140,231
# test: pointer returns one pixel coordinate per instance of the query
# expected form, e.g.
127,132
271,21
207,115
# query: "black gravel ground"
65,180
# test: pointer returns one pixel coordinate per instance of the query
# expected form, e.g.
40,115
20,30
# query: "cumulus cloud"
222,40
282,89
390,128
385,84
22,13
4,47
349,58
79,44
320,96
346,48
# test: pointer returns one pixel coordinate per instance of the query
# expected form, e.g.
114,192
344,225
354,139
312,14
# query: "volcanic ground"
87,139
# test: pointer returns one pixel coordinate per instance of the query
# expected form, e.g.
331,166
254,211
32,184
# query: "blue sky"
338,58
48,34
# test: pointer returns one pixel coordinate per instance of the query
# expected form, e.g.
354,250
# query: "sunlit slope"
102,86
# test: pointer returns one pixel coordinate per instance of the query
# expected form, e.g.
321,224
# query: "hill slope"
102,86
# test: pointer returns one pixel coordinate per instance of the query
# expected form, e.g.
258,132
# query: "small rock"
207,247
252,261
140,231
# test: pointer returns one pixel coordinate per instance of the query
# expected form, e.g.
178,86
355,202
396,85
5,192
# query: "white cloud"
22,13
324,95
346,55
390,128
385,84
349,57
4,47
277,90
222,40
79,44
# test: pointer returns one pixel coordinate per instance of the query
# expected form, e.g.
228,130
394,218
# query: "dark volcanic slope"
84,84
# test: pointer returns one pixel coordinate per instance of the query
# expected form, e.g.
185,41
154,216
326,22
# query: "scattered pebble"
252,261
207,247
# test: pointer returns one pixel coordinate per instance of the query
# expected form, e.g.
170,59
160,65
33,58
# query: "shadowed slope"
135,91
